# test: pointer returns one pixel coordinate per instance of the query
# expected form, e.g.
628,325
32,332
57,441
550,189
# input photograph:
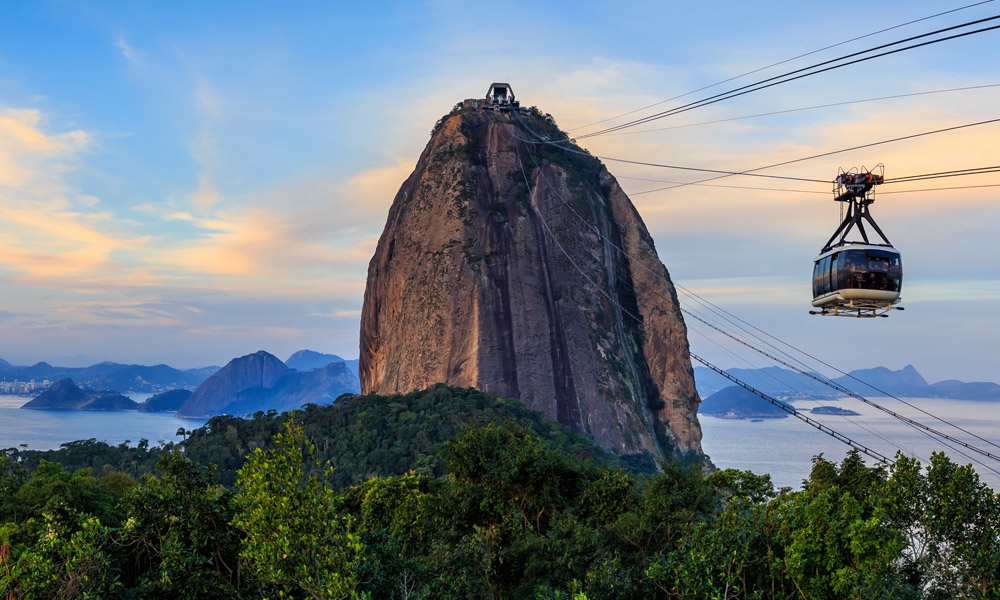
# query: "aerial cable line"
805,158
827,382
781,405
799,74
787,60
821,380
748,172
663,166
847,392
831,384
704,182
804,108
915,425
728,315
925,430
943,174
730,187
944,189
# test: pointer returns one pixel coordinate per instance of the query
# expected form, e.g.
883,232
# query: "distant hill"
307,360
834,410
959,390
261,382
295,389
907,381
773,381
166,402
735,402
258,370
147,379
787,384
115,376
66,395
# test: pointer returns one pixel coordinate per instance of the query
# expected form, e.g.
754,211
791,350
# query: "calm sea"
785,447
782,447
47,429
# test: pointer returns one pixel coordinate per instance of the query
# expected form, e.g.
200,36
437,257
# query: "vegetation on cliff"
502,509
526,272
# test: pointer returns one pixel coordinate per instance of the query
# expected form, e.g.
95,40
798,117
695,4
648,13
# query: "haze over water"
785,447
782,447
48,429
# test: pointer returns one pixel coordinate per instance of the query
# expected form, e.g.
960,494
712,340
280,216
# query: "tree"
176,539
296,542
69,559
963,520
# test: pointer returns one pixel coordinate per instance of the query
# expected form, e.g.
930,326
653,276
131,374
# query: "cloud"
43,237
267,244
30,157
340,314
207,99
205,196
366,197
130,55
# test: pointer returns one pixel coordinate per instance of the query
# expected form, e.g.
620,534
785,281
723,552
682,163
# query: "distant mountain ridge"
113,376
260,381
787,384
307,360
247,384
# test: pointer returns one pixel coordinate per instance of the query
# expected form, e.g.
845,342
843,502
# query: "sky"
188,182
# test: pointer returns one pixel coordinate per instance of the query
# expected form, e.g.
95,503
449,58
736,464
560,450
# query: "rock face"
66,395
524,271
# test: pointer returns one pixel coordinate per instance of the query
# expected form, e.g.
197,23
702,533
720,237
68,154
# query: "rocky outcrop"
262,382
258,370
524,271
66,395
295,389
166,402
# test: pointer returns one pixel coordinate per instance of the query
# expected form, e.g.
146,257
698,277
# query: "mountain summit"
499,269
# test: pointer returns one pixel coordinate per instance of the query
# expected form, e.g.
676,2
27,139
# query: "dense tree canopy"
482,501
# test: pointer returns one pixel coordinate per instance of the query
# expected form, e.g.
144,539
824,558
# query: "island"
834,410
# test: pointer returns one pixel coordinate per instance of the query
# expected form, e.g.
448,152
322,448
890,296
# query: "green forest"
451,493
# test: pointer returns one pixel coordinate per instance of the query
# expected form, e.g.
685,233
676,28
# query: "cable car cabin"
857,278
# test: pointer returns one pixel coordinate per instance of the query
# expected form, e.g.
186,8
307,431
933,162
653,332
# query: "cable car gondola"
857,278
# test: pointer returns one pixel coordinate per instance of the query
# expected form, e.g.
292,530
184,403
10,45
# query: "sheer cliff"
523,270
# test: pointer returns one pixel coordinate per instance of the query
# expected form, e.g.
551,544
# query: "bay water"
782,447
785,447
48,429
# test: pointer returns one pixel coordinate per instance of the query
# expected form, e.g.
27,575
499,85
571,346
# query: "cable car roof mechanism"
860,278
